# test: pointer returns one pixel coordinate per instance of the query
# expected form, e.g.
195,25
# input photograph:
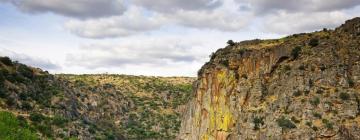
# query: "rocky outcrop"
305,86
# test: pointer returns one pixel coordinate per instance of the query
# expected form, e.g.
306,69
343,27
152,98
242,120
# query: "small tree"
231,42
285,123
314,42
6,60
295,52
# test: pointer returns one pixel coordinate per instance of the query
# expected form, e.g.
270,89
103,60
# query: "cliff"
304,86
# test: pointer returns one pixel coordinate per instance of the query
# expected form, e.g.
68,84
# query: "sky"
150,37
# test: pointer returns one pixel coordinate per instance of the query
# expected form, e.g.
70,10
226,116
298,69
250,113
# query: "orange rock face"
279,89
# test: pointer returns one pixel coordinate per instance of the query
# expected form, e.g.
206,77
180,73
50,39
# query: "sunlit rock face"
305,86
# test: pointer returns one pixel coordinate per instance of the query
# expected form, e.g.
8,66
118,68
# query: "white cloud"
289,23
149,52
304,6
28,60
74,8
137,20
133,21
176,5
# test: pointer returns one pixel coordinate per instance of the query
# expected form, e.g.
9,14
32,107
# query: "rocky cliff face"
305,86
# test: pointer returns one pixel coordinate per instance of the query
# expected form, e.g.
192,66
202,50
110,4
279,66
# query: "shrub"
328,124
37,117
3,93
319,91
297,93
258,121
314,42
344,96
308,123
26,106
10,101
25,71
301,67
317,115
315,101
45,129
315,128
231,42
225,62
295,52
285,123
286,68
350,82
59,121
6,60
212,56
244,76
23,96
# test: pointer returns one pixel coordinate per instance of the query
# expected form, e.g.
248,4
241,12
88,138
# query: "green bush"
351,82
317,115
344,96
11,128
328,124
6,60
25,71
26,106
297,93
231,42
44,129
59,121
315,101
37,117
10,101
285,123
3,93
286,68
258,121
295,52
314,42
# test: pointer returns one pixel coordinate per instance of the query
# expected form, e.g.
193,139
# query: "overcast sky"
150,37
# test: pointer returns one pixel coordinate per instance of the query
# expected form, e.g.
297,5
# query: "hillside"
304,86
37,105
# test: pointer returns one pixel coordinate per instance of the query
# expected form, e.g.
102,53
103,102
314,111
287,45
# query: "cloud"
133,21
268,6
137,20
31,61
218,20
289,23
176,5
148,52
75,8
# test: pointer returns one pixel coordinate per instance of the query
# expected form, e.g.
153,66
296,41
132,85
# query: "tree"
231,43
6,60
314,42
295,52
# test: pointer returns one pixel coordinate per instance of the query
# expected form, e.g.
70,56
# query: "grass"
11,128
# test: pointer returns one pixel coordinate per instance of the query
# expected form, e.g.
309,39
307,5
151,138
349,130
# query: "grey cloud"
147,53
289,23
134,21
74,8
175,5
268,6
131,22
31,61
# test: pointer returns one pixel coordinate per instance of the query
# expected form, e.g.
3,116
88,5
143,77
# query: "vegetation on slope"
89,106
